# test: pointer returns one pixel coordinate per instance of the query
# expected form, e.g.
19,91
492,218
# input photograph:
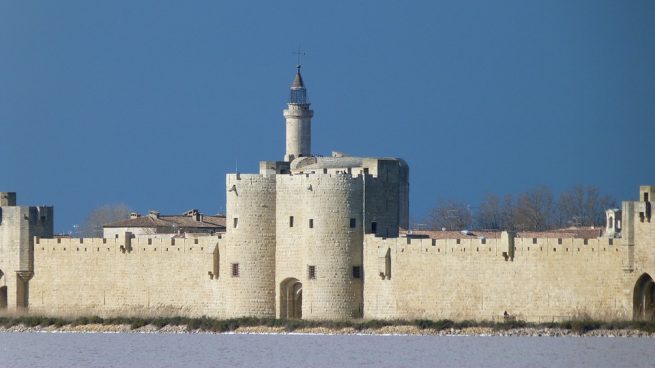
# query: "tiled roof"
582,233
174,221
435,234
574,232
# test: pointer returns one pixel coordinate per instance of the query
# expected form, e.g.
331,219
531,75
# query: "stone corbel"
25,275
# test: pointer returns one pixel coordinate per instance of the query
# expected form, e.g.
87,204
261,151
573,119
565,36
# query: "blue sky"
151,103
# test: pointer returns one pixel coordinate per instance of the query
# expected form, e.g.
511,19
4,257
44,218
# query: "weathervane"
299,53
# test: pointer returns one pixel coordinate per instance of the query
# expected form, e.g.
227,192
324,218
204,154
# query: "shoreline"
395,330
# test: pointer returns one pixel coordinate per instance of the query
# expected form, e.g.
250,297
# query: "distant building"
190,224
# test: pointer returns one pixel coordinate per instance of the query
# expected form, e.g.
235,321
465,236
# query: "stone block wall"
329,244
547,280
250,245
126,277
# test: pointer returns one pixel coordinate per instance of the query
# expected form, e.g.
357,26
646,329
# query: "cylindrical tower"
248,269
319,243
333,247
299,121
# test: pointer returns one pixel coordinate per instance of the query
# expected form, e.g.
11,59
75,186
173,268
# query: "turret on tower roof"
298,91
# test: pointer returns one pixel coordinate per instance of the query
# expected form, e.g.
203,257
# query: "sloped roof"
173,221
435,234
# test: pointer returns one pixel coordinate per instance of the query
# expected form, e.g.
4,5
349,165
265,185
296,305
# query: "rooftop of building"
572,232
190,219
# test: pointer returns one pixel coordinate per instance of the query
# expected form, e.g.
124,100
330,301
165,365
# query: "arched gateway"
291,298
644,298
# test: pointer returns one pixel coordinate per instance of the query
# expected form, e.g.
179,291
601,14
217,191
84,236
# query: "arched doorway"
3,291
291,298
643,299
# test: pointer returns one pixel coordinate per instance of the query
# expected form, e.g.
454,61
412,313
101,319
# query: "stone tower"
299,121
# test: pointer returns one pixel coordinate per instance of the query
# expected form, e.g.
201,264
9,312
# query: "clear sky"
151,103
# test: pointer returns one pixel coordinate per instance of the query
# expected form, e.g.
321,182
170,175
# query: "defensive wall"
127,276
533,279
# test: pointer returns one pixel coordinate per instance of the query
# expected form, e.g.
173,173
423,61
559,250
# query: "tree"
490,214
450,215
103,215
580,206
535,210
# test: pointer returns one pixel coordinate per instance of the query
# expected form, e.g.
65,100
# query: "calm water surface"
205,350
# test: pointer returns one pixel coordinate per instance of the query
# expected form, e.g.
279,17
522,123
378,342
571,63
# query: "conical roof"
297,81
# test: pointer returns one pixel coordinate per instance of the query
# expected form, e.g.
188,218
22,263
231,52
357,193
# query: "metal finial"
299,53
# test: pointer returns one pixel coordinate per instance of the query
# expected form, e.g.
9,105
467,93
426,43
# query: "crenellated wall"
126,276
547,279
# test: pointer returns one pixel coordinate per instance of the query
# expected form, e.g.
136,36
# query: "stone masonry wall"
546,280
330,201
250,244
103,277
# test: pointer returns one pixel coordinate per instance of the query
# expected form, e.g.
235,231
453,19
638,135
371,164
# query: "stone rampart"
126,276
546,279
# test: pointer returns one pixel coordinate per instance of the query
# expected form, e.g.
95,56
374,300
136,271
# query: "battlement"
505,247
142,246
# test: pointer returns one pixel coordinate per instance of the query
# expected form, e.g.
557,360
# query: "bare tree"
582,206
103,215
535,210
490,215
450,215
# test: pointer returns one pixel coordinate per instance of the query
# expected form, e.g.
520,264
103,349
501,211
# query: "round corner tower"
298,121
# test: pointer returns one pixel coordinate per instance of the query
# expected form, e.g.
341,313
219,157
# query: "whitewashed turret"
299,121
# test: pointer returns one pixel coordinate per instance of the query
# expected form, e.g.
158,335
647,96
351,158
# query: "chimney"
153,213
134,215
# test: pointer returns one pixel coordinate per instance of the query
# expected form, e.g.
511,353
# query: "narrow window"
645,197
353,223
559,241
235,270
311,223
611,222
311,272
374,227
235,223
149,241
290,221
611,241
357,272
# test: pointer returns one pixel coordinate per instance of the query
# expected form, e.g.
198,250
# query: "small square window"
235,270
290,221
353,223
559,241
311,223
311,272
534,240
357,272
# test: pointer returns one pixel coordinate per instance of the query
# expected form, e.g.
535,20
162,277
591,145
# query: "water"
206,350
